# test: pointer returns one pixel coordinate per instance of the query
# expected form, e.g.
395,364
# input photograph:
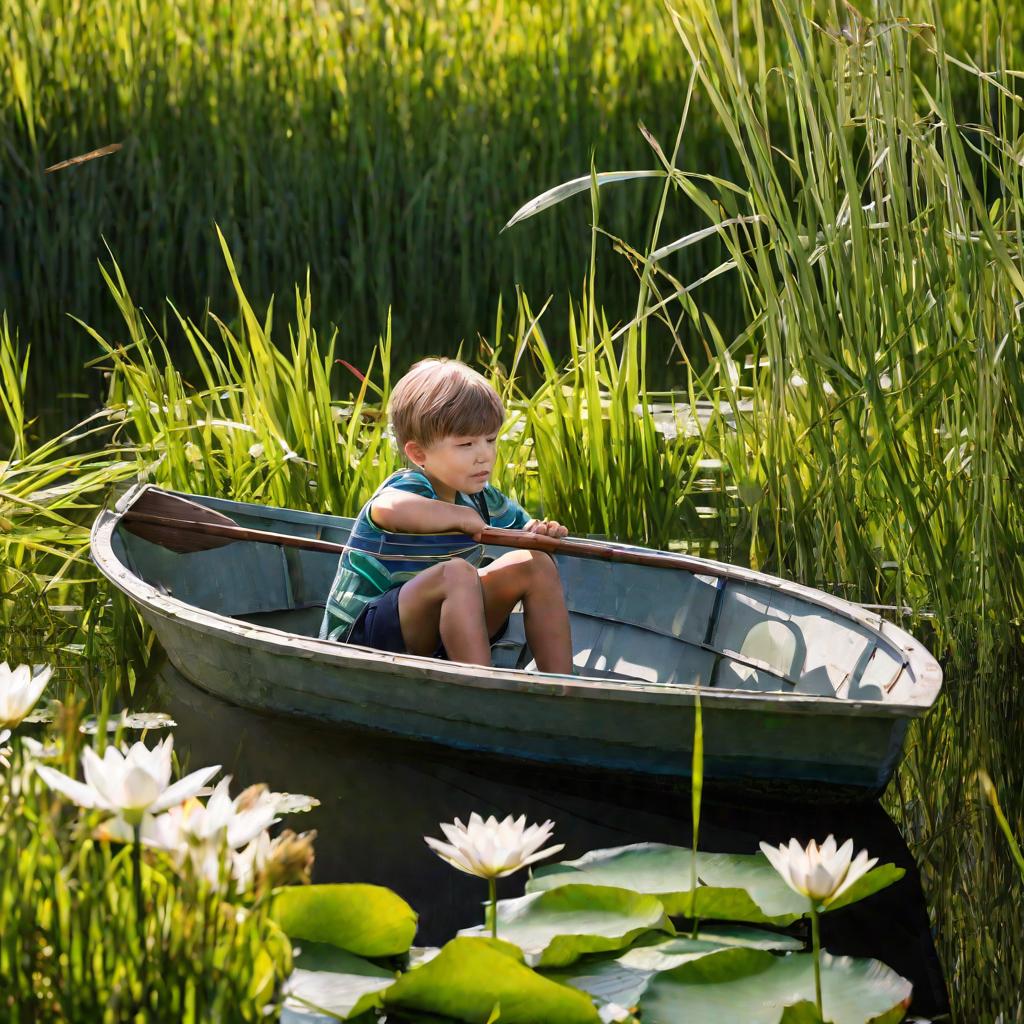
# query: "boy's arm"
509,514
401,512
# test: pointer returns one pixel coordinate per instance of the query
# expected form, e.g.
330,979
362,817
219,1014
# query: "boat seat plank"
311,574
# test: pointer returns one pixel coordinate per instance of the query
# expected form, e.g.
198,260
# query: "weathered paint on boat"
795,685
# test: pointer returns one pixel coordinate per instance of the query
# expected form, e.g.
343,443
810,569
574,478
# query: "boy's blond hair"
443,398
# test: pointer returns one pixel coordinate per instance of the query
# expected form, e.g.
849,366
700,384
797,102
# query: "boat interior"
650,625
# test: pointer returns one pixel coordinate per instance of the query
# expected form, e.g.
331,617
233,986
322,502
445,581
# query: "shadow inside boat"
380,795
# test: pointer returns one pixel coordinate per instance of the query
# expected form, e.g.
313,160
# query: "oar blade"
168,534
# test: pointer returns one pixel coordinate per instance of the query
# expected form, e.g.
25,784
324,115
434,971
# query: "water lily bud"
290,860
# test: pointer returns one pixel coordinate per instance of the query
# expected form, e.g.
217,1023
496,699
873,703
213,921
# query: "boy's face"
458,463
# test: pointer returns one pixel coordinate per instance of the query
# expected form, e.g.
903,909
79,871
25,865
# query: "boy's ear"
415,453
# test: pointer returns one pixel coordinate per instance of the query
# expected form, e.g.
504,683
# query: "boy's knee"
458,574
539,571
543,565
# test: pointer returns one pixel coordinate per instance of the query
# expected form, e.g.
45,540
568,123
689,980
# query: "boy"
408,580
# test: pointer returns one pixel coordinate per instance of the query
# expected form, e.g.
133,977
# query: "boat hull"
741,744
238,626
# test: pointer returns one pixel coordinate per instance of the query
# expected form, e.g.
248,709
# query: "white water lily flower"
222,821
206,835
493,849
822,873
130,783
20,688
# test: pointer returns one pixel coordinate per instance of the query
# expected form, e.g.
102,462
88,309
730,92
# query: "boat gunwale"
927,673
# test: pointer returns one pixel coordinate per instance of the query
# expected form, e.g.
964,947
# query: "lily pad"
750,986
557,927
623,980
472,979
367,920
144,720
330,984
732,886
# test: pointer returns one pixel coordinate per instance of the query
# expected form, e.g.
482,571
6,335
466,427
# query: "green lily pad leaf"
472,977
867,885
732,886
557,927
756,987
368,920
624,979
804,1012
750,938
143,720
330,984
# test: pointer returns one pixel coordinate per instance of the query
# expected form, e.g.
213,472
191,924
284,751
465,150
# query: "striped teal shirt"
375,561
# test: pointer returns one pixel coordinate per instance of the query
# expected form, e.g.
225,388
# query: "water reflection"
380,795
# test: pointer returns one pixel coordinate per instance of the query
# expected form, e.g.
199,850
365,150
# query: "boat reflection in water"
379,797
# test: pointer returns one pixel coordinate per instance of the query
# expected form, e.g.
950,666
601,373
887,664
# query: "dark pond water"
379,797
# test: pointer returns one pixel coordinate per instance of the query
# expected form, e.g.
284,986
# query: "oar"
186,526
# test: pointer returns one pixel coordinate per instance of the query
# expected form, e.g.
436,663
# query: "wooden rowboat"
796,686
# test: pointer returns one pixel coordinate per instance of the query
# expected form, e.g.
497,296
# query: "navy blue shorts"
378,626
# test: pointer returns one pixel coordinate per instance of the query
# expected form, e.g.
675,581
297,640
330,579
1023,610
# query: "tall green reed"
379,143
52,605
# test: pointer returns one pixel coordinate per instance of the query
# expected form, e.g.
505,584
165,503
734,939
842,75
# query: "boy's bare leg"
532,577
444,604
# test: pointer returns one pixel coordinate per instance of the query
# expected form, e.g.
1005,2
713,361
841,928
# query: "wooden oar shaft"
490,535
593,549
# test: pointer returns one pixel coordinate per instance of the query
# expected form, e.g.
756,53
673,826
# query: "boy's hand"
547,527
469,523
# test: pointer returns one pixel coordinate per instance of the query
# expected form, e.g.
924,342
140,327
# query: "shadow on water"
380,795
